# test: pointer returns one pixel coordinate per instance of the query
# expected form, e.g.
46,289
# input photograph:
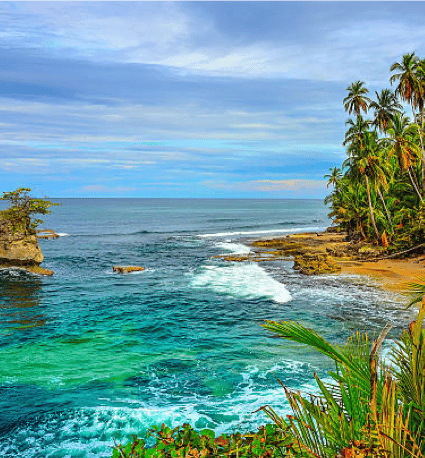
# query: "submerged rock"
127,269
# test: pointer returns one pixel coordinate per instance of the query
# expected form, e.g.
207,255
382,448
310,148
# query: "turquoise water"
88,356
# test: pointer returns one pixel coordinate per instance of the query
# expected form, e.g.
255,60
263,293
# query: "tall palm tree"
385,107
356,99
402,142
410,88
365,162
406,76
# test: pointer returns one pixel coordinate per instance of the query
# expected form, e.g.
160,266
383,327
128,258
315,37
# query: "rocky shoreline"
332,253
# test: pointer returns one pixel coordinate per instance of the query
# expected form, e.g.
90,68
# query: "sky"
188,99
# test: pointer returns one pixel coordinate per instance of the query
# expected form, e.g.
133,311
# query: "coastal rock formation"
315,264
127,269
20,250
313,253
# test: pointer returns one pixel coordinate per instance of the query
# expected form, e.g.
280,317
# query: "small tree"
22,207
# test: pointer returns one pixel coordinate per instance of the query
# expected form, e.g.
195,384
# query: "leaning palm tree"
385,107
356,100
410,76
402,143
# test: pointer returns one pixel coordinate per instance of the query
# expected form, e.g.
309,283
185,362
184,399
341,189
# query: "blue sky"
188,99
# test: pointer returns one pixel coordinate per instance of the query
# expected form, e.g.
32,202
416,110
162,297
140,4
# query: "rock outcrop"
315,264
20,250
127,269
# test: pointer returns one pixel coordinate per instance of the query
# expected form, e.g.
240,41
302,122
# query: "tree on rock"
22,207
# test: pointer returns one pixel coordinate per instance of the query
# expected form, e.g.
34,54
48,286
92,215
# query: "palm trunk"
386,209
414,184
360,226
372,216
421,140
420,131
421,117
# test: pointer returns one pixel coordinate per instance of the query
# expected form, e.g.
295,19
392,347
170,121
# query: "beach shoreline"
388,274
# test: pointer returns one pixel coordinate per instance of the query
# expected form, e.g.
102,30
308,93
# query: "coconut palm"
334,176
365,162
408,84
410,88
403,143
386,106
356,130
356,100
349,206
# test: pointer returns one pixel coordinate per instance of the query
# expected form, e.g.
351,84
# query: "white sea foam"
90,431
62,234
236,248
241,280
292,230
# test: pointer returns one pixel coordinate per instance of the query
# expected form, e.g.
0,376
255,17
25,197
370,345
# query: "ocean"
89,357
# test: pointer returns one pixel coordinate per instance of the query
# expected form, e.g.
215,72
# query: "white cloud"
296,186
164,33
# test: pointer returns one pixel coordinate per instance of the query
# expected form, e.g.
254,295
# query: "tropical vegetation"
19,215
378,192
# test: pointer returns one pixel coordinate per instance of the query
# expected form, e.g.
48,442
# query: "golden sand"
392,274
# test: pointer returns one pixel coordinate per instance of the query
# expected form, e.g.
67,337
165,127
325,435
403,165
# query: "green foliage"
368,409
21,209
378,194
186,442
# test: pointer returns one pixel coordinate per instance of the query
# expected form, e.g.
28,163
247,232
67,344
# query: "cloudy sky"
188,99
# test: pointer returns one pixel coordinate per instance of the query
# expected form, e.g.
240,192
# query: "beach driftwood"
127,269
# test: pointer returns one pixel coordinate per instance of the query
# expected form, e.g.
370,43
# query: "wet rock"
47,234
127,269
315,264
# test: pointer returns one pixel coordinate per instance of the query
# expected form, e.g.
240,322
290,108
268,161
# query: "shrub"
22,207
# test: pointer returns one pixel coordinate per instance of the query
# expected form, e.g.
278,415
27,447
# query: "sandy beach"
392,274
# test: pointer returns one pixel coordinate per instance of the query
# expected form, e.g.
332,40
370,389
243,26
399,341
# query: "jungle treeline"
379,190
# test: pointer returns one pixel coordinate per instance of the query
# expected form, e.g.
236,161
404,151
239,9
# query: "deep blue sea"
89,356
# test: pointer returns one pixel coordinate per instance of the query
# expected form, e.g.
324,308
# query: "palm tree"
402,142
410,88
355,133
356,99
385,107
349,207
408,85
365,162
334,176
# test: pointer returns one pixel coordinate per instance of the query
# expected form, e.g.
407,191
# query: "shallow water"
89,356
